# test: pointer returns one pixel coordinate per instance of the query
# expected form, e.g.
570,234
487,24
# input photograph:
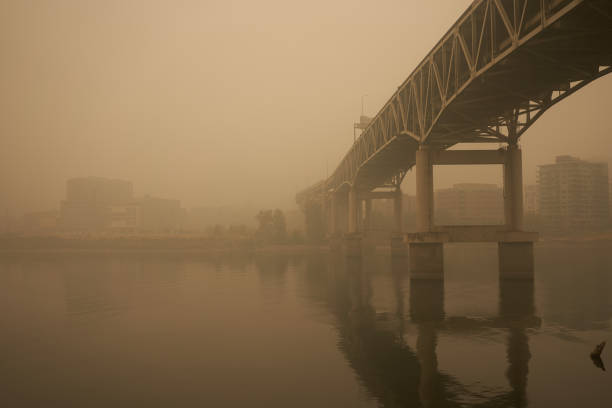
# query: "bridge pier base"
516,260
426,260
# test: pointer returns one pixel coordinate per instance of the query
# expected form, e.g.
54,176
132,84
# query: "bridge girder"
499,68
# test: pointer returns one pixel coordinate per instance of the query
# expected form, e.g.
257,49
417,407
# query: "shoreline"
91,247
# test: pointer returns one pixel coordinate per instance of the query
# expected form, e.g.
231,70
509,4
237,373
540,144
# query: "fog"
223,102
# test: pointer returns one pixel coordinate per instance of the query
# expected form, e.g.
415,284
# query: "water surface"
303,331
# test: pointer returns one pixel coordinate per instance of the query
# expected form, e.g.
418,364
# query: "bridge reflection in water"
398,375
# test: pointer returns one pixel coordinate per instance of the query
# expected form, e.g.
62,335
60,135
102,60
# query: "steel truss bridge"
493,74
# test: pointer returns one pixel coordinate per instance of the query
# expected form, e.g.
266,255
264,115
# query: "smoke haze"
223,102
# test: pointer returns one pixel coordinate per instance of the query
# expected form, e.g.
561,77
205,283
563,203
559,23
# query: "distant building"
96,204
147,214
87,203
530,199
573,194
469,204
125,217
383,213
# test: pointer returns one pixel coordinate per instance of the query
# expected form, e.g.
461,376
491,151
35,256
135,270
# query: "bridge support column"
424,189
515,258
513,188
353,210
334,229
398,248
426,258
397,211
367,220
352,240
331,220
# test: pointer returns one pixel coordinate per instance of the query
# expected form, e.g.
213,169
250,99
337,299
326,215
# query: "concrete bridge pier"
333,221
352,240
367,217
515,247
398,248
516,259
426,258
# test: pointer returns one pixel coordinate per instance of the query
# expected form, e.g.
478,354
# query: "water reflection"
274,330
272,271
384,363
516,312
399,375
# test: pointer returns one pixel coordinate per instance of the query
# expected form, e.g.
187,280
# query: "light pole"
363,121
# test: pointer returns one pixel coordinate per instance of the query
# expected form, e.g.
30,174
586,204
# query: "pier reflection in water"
399,375
275,330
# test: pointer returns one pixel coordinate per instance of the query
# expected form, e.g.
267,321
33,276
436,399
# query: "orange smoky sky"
223,102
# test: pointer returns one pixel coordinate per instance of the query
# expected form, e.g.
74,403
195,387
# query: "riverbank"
212,246
204,246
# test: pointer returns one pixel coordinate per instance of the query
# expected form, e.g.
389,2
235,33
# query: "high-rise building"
469,204
530,200
573,194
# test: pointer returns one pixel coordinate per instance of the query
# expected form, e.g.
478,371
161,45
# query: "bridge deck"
495,72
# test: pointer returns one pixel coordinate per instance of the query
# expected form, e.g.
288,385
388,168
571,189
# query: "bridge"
496,71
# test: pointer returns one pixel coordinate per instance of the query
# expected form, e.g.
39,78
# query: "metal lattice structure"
492,75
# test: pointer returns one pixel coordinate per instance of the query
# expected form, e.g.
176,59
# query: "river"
304,331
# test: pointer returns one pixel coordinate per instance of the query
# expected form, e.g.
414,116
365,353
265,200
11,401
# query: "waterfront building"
469,204
573,194
87,202
530,198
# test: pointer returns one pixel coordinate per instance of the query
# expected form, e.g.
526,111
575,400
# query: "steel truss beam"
493,74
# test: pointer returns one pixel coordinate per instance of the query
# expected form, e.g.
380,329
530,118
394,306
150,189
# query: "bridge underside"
512,93
501,66
495,72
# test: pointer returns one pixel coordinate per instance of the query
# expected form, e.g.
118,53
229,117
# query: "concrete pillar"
332,227
353,203
398,248
398,226
513,189
424,189
426,260
367,222
341,212
352,240
516,260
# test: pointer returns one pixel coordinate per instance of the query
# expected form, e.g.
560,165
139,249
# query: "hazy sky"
222,102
